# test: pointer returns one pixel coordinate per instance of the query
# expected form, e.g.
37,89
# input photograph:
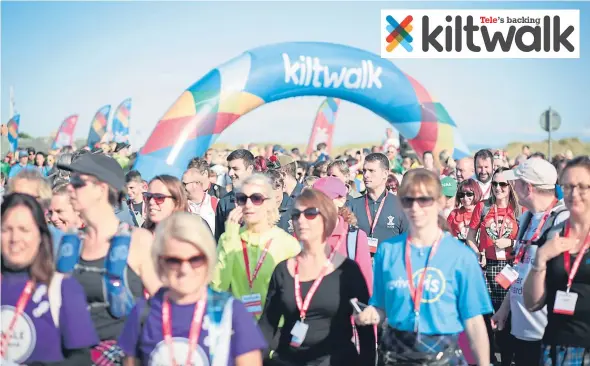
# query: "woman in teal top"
423,318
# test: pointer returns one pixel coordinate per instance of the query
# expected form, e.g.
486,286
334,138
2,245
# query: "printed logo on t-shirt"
24,336
160,356
493,230
434,284
390,223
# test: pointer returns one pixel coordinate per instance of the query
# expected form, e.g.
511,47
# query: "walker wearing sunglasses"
468,195
96,187
165,195
428,287
248,254
312,293
187,323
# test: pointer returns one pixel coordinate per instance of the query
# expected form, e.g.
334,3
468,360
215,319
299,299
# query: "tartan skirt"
565,356
107,353
497,292
407,348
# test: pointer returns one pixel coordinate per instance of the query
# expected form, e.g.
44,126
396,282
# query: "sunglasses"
309,213
159,198
501,184
465,194
77,182
175,263
257,199
408,202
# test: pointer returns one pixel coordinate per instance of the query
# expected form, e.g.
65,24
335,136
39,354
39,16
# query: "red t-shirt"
489,229
458,221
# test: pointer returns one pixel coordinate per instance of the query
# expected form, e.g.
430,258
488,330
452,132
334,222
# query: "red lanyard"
500,230
303,305
194,332
21,303
536,234
252,277
417,293
569,269
373,223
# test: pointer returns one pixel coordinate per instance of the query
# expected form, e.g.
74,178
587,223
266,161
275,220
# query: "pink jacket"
363,257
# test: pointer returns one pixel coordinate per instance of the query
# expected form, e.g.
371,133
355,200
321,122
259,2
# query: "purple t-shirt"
35,336
150,348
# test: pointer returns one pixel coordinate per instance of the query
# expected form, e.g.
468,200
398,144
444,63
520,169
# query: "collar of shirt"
379,199
256,239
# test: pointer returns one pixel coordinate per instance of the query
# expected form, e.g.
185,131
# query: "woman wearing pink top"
347,237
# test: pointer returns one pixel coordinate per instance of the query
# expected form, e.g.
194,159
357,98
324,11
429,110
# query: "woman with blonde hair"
427,287
247,255
186,322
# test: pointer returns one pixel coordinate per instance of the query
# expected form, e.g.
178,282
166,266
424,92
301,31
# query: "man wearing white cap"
534,184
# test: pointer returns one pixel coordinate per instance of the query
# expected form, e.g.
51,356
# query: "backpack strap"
54,295
351,242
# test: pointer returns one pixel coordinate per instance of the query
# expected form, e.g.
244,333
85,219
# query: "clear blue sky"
73,57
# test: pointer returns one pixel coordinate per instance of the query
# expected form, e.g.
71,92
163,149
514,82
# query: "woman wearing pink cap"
347,237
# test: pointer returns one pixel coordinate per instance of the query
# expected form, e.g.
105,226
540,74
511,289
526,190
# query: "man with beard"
483,171
241,165
465,169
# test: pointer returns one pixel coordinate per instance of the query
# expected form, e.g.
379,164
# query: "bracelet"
538,269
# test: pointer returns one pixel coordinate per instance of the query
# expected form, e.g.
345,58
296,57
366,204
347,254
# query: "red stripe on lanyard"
373,223
536,234
569,269
195,330
417,293
21,303
303,305
252,277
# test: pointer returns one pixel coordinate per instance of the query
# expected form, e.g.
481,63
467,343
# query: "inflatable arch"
285,70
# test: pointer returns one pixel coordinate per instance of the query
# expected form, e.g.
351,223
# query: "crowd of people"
263,256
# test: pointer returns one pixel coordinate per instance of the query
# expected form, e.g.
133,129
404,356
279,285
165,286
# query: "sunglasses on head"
408,202
257,199
159,198
465,194
501,184
175,263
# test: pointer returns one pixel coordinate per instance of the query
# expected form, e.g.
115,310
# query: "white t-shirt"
486,189
529,326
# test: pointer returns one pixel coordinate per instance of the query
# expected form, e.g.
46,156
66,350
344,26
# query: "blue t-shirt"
454,287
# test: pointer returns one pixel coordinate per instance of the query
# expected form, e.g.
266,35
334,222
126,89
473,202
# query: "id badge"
500,254
298,333
507,276
253,303
373,242
565,303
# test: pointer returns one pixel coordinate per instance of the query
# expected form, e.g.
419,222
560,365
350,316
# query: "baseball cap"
449,186
538,172
285,159
103,167
331,187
